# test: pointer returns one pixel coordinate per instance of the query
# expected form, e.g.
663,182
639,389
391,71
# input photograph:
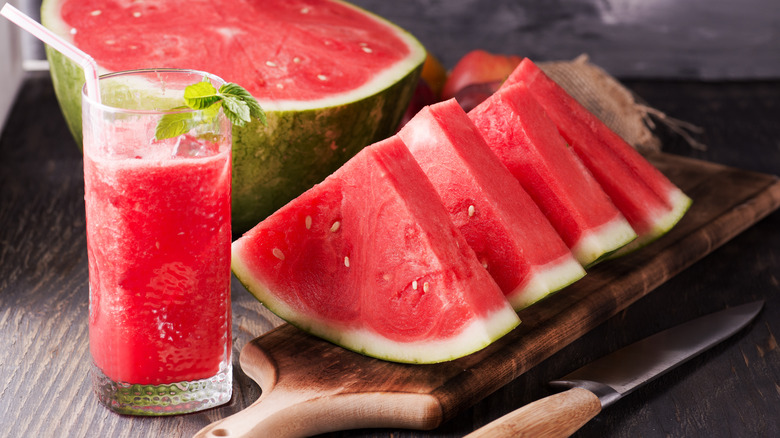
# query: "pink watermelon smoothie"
507,230
527,142
159,249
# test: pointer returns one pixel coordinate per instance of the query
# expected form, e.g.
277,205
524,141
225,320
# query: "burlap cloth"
615,105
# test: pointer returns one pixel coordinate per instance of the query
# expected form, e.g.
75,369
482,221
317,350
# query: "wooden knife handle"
558,415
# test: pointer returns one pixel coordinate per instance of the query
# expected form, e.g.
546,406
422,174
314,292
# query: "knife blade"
605,381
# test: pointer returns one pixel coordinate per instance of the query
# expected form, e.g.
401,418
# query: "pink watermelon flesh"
527,142
510,235
369,259
277,50
651,203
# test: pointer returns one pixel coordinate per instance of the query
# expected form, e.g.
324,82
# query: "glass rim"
109,108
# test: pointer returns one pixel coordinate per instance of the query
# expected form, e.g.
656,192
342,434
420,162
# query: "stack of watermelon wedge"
648,200
424,246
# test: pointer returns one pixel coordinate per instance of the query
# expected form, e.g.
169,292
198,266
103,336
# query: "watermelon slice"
510,235
369,259
332,77
651,203
527,142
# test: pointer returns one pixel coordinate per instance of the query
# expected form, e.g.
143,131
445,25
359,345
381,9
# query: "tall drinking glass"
158,239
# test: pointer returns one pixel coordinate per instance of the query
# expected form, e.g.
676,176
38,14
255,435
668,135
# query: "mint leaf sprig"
238,105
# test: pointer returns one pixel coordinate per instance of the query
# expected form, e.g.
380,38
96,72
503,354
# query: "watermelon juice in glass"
158,239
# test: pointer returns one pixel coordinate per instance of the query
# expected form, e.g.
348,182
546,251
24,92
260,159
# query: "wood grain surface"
729,391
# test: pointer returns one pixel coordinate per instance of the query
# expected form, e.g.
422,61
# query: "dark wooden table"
732,390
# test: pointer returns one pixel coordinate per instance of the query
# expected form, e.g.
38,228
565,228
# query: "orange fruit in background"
434,74
478,66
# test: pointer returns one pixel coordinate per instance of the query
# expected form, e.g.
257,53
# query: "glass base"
166,399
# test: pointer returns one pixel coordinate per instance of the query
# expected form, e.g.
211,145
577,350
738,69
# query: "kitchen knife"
607,380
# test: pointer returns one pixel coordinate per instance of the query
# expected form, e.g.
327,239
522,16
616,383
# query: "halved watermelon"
333,78
510,235
651,203
369,259
527,142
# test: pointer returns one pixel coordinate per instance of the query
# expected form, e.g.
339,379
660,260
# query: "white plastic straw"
75,54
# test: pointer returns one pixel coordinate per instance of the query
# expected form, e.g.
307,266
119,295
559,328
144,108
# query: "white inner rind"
602,241
478,334
547,279
680,204
664,221
475,336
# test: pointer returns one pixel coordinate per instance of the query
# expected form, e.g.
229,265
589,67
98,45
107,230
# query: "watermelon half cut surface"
331,77
370,260
650,202
512,238
527,142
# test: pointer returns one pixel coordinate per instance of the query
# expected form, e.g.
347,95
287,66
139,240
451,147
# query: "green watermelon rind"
301,144
548,279
600,243
668,219
68,79
474,337
266,178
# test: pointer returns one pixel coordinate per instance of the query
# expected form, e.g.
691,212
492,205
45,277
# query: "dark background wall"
703,39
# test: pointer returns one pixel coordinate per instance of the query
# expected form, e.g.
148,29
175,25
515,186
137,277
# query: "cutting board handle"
311,390
280,416
262,418
266,417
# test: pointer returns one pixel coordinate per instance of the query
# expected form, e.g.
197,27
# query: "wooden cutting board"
310,386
